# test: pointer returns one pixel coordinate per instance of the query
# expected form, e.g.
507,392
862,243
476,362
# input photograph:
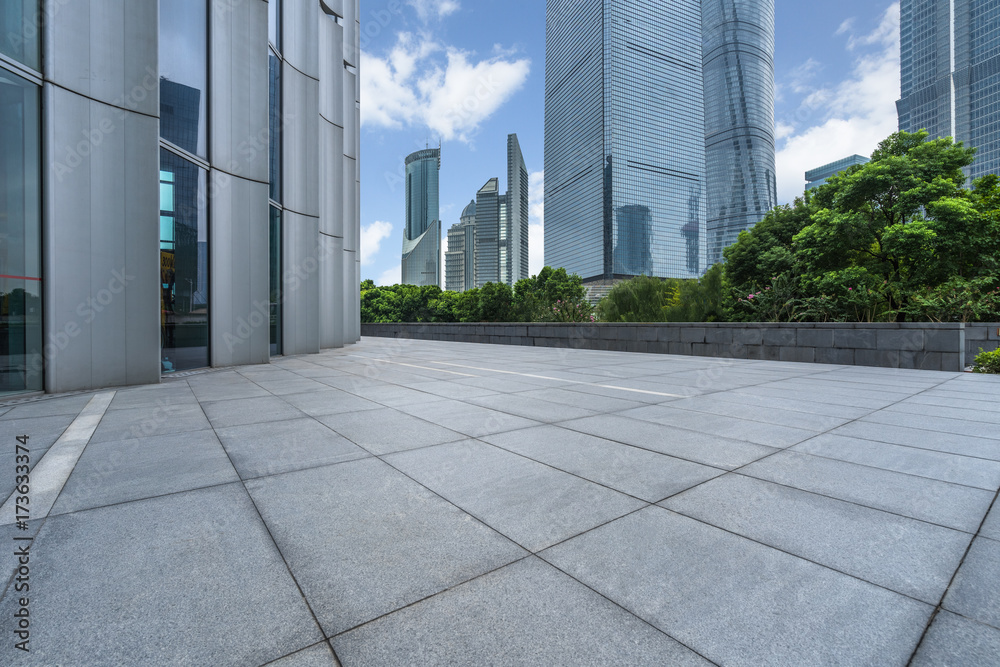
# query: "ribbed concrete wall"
939,347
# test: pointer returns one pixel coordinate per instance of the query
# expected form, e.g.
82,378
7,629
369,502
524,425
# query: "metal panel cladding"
738,66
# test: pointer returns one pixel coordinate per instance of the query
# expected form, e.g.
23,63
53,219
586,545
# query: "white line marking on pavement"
49,475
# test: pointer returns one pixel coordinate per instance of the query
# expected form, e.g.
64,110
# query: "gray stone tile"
985,414
350,382
450,389
975,592
317,655
249,411
149,421
392,395
102,595
609,389
952,443
735,601
299,385
226,390
386,430
47,407
638,472
471,420
910,460
114,472
531,407
531,503
953,641
938,424
950,505
904,555
9,464
268,449
769,435
506,384
770,414
991,527
329,402
41,431
557,621
153,396
363,540
582,400
680,443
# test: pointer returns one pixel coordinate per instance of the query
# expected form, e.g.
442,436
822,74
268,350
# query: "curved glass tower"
738,69
422,235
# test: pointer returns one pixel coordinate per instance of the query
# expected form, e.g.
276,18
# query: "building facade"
820,175
195,200
421,263
738,69
489,205
654,112
950,74
515,250
460,259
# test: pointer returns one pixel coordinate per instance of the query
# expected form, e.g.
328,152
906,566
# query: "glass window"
184,74
183,264
275,127
20,236
274,23
275,281
19,31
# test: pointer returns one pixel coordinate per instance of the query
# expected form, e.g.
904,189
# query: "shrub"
987,362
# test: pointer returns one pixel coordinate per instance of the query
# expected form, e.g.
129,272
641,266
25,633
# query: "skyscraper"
489,201
460,259
636,93
422,234
950,74
738,69
820,175
516,261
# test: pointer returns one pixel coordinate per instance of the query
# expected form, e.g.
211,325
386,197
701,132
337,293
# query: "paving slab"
991,527
681,443
329,402
525,613
101,595
363,540
638,472
963,413
150,421
975,593
954,641
937,424
583,400
317,655
153,396
761,433
470,420
249,411
41,431
531,503
770,414
387,430
905,555
269,449
736,601
930,500
951,443
910,460
48,407
531,407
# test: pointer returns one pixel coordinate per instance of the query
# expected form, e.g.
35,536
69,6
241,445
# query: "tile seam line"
951,582
274,542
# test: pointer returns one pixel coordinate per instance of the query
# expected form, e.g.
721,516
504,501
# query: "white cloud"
452,96
371,240
536,222
391,276
430,9
803,74
846,119
846,26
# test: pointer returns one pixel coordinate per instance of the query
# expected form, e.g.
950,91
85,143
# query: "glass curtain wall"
20,233
274,127
20,30
184,252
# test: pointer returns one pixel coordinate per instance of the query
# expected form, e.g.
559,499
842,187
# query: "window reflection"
19,31
275,280
20,236
183,264
184,74
275,126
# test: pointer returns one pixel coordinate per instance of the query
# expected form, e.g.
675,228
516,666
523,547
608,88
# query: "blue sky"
469,72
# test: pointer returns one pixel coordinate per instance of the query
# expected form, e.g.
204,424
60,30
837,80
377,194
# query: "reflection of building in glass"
624,127
664,105
633,240
156,271
488,203
738,68
950,74
421,263
818,176
460,260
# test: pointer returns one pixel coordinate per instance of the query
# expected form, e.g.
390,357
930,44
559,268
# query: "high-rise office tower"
489,201
460,259
738,69
178,187
515,264
636,93
422,234
950,74
820,175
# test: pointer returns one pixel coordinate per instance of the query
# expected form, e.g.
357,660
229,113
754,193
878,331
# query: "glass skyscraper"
738,69
950,74
636,93
422,235
515,262
460,260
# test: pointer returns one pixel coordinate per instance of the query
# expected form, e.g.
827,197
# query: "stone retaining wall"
942,347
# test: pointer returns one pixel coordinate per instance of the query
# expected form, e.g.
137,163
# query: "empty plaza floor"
406,502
